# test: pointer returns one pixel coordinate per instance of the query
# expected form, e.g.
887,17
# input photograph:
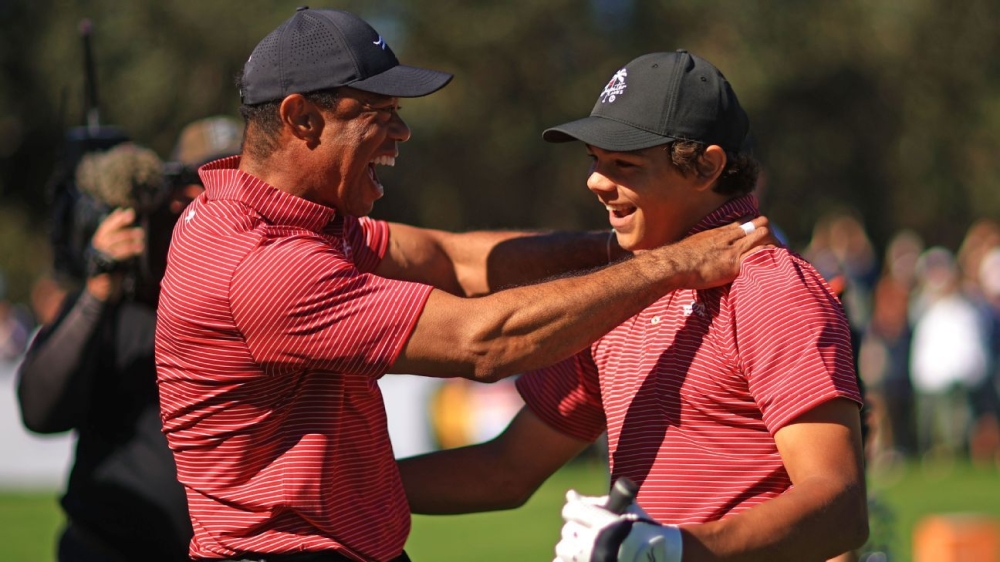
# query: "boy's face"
650,203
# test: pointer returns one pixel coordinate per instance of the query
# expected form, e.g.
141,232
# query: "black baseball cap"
659,98
321,49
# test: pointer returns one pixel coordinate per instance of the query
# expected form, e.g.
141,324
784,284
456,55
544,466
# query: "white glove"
594,534
601,501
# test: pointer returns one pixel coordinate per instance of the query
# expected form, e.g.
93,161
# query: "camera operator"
93,371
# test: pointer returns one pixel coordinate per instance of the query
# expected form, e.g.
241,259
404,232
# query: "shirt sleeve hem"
408,330
803,407
554,421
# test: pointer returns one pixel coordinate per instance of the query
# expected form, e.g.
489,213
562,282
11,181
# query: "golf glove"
594,534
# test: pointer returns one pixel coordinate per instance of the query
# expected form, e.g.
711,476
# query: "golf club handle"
622,495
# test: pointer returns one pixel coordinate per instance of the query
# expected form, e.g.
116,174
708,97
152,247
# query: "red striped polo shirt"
270,336
692,390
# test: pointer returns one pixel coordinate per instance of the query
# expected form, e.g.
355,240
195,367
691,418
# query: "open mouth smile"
383,160
620,211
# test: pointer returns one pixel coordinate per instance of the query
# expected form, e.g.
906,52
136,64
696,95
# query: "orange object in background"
957,538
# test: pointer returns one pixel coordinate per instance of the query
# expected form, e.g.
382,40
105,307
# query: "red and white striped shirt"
271,334
692,389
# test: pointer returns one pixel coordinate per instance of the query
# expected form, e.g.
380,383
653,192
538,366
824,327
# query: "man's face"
649,202
362,131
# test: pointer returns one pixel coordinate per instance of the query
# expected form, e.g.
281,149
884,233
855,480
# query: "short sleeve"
792,337
300,303
567,396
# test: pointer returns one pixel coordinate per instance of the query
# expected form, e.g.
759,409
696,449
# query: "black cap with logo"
659,98
321,49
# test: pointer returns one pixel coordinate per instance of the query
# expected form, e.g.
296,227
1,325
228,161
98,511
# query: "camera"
110,172
75,217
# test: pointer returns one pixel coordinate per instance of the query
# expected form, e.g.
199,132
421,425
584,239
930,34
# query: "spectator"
984,442
92,370
981,237
950,357
842,253
884,355
14,327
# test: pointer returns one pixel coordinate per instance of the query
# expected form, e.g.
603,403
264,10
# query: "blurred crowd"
926,322
18,320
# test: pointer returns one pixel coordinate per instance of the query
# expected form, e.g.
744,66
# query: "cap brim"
604,133
403,81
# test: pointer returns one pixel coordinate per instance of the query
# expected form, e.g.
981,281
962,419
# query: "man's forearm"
464,480
528,327
533,326
48,392
498,474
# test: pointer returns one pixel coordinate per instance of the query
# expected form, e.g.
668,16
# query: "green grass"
912,491
528,533
29,522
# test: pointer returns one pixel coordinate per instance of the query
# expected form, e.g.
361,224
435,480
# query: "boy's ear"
711,163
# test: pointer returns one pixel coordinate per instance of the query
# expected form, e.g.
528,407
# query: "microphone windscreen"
127,175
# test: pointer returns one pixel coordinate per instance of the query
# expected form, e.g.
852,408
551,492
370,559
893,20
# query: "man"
735,408
282,304
91,370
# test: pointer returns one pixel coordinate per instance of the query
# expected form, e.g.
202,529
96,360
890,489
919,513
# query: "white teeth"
384,160
617,208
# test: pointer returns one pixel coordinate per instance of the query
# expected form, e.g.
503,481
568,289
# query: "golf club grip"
622,494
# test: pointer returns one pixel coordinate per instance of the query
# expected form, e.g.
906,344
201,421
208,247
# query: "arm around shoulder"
528,327
483,262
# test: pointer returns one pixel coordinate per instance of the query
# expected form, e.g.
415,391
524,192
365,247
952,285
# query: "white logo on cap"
380,42
615,87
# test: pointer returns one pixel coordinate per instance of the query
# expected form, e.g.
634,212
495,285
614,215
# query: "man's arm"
55,385
825,512
499,474
516,330
54,380
478,263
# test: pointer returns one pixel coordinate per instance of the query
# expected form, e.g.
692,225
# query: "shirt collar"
224,180
742,207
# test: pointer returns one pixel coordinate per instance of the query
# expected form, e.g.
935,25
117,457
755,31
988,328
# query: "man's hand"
713,257
594,534
115,240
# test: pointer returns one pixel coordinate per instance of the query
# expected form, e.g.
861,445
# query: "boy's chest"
680,351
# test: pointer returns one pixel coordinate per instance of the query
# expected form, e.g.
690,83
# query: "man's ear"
302,118
710,165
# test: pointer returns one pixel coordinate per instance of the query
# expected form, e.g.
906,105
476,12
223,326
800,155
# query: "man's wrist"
673,271
98,262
